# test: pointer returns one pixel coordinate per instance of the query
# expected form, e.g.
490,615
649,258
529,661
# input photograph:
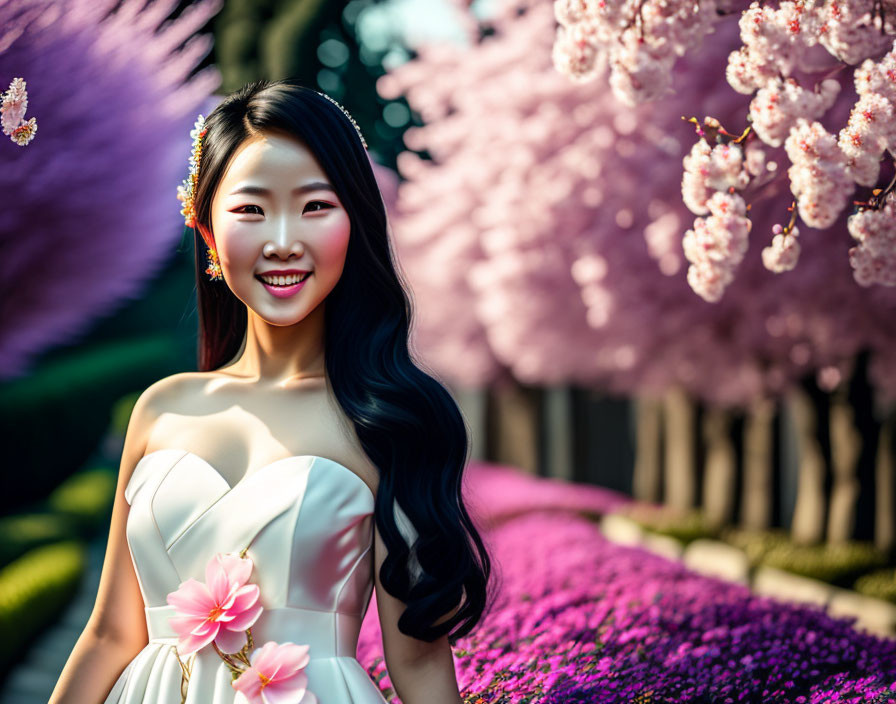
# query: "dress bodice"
308,524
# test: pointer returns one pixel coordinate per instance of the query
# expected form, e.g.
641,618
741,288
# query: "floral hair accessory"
345,112
186,193
220,613
14,105
187,190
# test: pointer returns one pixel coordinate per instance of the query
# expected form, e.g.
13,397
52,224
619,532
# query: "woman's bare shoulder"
164,394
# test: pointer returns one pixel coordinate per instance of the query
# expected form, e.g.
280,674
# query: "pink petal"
238,569
286,691
249,683
230,641
216,579
191,598
184,625
191,643
290,659
246,596
260,655
206,627
247,618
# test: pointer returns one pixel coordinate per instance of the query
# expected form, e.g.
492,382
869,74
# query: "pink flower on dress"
220,610
276,676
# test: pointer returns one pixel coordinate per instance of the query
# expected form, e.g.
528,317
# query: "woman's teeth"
284,280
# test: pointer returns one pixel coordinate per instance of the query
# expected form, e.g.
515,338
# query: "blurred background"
539,221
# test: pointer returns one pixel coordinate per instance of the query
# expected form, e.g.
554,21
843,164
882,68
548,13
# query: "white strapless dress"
308,522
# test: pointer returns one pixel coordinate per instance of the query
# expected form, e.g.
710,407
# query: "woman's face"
286,219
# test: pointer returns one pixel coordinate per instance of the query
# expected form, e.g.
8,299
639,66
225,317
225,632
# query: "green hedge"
755,543
86,498
34,589
26,531
69,402
121,413
838,564
685,526
881,584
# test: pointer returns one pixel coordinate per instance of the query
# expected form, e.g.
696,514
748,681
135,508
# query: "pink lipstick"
285,291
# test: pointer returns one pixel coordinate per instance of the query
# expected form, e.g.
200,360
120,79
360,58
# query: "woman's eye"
314,202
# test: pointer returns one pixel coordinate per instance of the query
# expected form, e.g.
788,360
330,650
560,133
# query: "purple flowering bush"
577,618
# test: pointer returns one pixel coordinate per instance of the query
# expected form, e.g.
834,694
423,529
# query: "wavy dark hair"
407,422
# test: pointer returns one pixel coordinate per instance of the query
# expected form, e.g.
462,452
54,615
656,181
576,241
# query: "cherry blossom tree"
558,203
786,56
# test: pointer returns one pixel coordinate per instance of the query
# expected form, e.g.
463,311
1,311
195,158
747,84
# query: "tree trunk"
512,419
809,513
680,451
557,436
867,423
885,525
719,479
647,481
845,448
758,489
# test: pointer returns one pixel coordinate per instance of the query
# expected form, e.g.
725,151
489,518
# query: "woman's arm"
91,670
422,672
116,630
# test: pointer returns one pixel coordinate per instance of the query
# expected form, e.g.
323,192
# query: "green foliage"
26,531
85,497
685,526
880,584
52,421
121,413
837,564
34,589
755,543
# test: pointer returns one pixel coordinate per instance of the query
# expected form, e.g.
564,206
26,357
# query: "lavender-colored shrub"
90,209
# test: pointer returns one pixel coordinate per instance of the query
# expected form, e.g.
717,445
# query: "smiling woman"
309,439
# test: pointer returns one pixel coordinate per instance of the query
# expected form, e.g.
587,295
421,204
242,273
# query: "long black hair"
407,422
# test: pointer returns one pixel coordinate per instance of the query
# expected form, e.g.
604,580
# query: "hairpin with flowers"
12,114
186,193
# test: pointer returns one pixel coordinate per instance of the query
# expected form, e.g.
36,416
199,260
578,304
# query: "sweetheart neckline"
257,471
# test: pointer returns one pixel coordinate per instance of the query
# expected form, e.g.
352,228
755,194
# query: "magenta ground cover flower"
580,619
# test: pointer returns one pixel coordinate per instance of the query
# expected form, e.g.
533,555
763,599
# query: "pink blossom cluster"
717,244
786,55
818,176
532,215
780,103
784,251
710,169
874,259
639,40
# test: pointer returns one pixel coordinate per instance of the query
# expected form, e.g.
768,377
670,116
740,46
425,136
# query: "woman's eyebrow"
260,191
